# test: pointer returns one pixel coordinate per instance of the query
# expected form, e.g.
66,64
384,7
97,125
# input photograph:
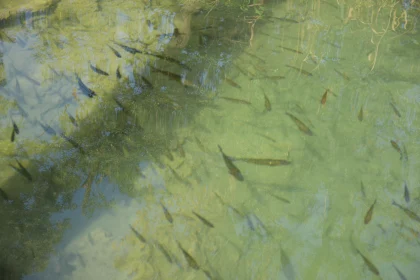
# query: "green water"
144,151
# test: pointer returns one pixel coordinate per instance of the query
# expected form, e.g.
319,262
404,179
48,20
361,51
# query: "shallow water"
330,87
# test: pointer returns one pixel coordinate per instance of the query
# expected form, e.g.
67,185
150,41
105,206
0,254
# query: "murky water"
207,140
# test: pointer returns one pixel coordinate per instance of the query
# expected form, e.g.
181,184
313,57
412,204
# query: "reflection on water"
207,140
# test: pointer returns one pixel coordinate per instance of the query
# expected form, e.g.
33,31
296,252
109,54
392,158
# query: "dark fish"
268,78
369,213
396,111
164,252
402,276
117,54
362,188
409,213
285,19
72,119
258,161
280,198
12,138
302,127
4,195
85,90
168,215
406,193
118,73
292,50
324,97
300,70
205,221
138,235
170,59
99,71
15,127
267,137
22,170
148,84
73,143
190,260
342,75
369,264
175,77
360,115
48,129
128,49
254,56
235,100
267,103
397,148
200,144
232,83
233,170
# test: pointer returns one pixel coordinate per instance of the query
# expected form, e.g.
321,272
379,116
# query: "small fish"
118,73
369,264
164,252
268,78
397,148
280,198
406,193
235,100
292,50
138,235
147,82
362,188
48,129
15,127
360,115
190,260
73,143
232,83
128,49
168,215
345,77
72,120
300,70
233,170
285,19
369,213
117,54
85,90
4,195
324,97
302,127
258,161
400,274
409,213
22,170
254,56
267,103
396,111
170,59
175,77
12,138
267,137
205,221
99,71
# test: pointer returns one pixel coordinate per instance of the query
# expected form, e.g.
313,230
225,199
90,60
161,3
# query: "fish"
22,170
164,252
73,143
12,138
168,215
394,108
22,111
360,115
300,70
15,127
406,193
85,90
261,161
397,148
280,198
369,264
302,127
369,213
345,77
400,274
292,50
147,82
200,144
117,54
118,73
285,19
267,103
409,213
138,235
72,119
267,137
175,77
254,56
324,97
232,83
235,100
128,49
233,170
4,195
170,59
48,129
205,221
190,260
99,71
362,188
